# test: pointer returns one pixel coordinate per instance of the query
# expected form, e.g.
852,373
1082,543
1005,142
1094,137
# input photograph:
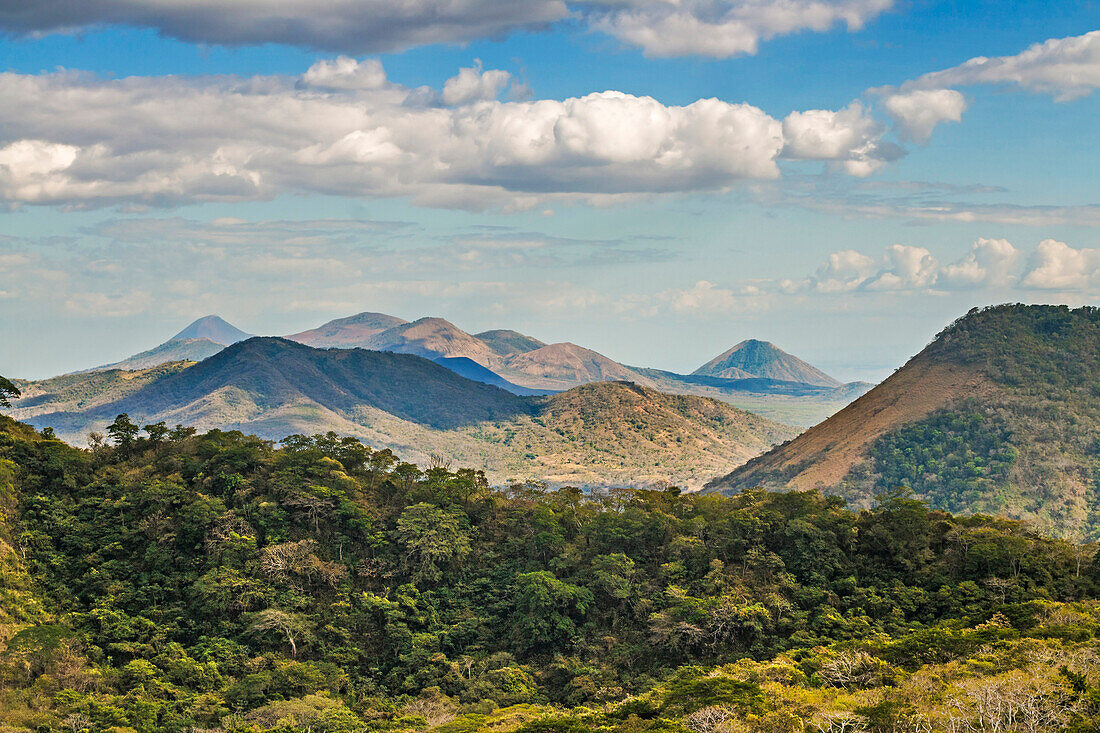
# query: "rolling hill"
431,338
347,333
275,387
754,358
1000,414
504,342
565,365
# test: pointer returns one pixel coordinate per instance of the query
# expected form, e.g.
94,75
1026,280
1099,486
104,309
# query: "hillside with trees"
1000,414
166,580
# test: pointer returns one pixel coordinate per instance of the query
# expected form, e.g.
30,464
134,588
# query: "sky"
653,179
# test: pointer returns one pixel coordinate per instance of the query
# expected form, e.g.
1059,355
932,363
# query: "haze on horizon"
656,181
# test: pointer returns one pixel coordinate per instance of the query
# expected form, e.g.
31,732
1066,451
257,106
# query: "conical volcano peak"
756,358
214,328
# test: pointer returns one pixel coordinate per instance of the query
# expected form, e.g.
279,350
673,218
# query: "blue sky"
835,199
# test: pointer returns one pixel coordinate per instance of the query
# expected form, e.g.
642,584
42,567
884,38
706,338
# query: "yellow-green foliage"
214,582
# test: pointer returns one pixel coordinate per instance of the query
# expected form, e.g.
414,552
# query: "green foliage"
216,581
8,392
952,459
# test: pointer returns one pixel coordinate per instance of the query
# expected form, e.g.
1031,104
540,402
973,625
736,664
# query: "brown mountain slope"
565,365
347,333
431,338
505,342
823,455
1000,414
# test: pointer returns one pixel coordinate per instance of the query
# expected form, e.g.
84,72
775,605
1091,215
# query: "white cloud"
475,85
842,272
849,137
717,28
706,297
917,112
342,129
991,262
345,73
1057,266
1066,68
907,268
722,28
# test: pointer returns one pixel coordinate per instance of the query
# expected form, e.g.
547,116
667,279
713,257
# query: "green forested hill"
183,582
999,414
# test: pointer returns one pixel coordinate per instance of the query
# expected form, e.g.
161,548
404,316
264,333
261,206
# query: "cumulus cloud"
475,84
1057,266
991,262
849,137
1066,68
917,112
722,28
842,272
907,268
717,28
345,73
342,129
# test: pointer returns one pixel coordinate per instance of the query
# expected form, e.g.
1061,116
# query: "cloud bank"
341,128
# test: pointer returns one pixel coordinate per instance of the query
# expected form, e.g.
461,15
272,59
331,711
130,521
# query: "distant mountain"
565,365
472,370
601,434
1000,414
213,328
203,338
431,338
791,403
346,333
169,351
508,343
524,365
753,358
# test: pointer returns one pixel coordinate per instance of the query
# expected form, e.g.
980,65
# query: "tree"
123,431
294,626
432,536
8,392
158,431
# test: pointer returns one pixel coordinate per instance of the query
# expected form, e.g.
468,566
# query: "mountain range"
1000,414
753,375
607,433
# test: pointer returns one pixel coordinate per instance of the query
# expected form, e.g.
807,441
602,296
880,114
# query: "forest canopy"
164,580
